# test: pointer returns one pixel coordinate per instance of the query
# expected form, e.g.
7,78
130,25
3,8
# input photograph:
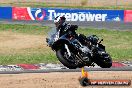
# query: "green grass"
62,5
118,44
30,59
28,29
80,7
27,55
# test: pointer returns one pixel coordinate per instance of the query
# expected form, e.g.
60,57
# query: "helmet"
59,20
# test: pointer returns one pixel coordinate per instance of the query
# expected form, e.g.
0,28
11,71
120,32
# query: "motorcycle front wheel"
69,62
104,61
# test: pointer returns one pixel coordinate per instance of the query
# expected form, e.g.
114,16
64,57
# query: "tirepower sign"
87,15
27,13
41,14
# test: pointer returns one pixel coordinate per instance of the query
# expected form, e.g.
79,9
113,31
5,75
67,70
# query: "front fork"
67,49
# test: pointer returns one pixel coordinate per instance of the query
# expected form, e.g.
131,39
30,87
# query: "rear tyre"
66,61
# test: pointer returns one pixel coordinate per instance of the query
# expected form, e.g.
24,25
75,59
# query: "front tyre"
68,62
104,61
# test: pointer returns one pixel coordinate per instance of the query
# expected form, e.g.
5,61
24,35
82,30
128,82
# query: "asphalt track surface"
66,70
99,25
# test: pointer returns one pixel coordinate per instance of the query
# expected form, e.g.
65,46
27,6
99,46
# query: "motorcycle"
72,53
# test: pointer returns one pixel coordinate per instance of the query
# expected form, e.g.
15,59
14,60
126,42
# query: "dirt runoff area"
59,80
11,42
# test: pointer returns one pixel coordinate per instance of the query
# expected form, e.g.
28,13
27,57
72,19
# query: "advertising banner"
5,12
27,13
128,16
87,15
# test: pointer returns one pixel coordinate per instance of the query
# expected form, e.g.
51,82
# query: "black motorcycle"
74,50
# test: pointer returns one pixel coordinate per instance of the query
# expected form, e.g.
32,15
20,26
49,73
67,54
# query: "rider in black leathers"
63,26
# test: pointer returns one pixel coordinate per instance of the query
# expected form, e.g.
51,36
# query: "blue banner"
5,12
85,15
27,13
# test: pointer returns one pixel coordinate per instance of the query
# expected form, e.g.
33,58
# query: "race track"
98,25
16,77
66,70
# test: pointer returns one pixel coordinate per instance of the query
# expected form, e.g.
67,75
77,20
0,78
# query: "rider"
60,23
63,26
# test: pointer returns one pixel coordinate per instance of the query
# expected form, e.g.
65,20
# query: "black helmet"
59,20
